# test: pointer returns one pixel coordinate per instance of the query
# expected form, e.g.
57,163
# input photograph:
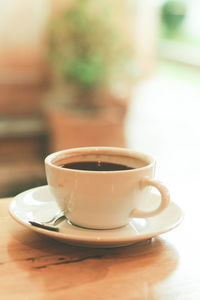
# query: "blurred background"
98,73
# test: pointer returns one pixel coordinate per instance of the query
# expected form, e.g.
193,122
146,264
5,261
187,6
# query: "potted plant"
173,13
91,56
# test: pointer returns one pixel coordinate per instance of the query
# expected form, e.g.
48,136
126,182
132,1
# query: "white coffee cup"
103,199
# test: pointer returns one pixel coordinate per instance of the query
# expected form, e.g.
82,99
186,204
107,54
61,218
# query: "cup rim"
104,150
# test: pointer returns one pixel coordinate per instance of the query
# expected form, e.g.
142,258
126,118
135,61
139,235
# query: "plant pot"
68,130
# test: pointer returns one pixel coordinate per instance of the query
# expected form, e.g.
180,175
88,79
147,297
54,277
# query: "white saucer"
38,205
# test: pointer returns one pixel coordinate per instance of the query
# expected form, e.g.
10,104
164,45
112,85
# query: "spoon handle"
44,226
51,224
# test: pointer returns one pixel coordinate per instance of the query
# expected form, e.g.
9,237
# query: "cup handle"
165,199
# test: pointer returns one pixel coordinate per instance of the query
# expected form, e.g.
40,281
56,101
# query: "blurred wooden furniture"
22,82
23,134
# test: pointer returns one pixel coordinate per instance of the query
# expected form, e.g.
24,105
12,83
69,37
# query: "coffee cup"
103,187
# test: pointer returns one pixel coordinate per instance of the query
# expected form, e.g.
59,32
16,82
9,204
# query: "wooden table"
35,267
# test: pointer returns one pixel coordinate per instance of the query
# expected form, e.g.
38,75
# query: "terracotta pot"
72,130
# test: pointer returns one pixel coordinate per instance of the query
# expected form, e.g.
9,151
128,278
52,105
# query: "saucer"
38,205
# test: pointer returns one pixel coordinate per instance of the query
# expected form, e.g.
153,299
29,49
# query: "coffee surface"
95,166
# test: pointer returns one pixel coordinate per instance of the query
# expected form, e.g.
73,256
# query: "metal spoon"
51,224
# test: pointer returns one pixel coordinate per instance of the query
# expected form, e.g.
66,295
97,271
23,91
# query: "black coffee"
96,166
